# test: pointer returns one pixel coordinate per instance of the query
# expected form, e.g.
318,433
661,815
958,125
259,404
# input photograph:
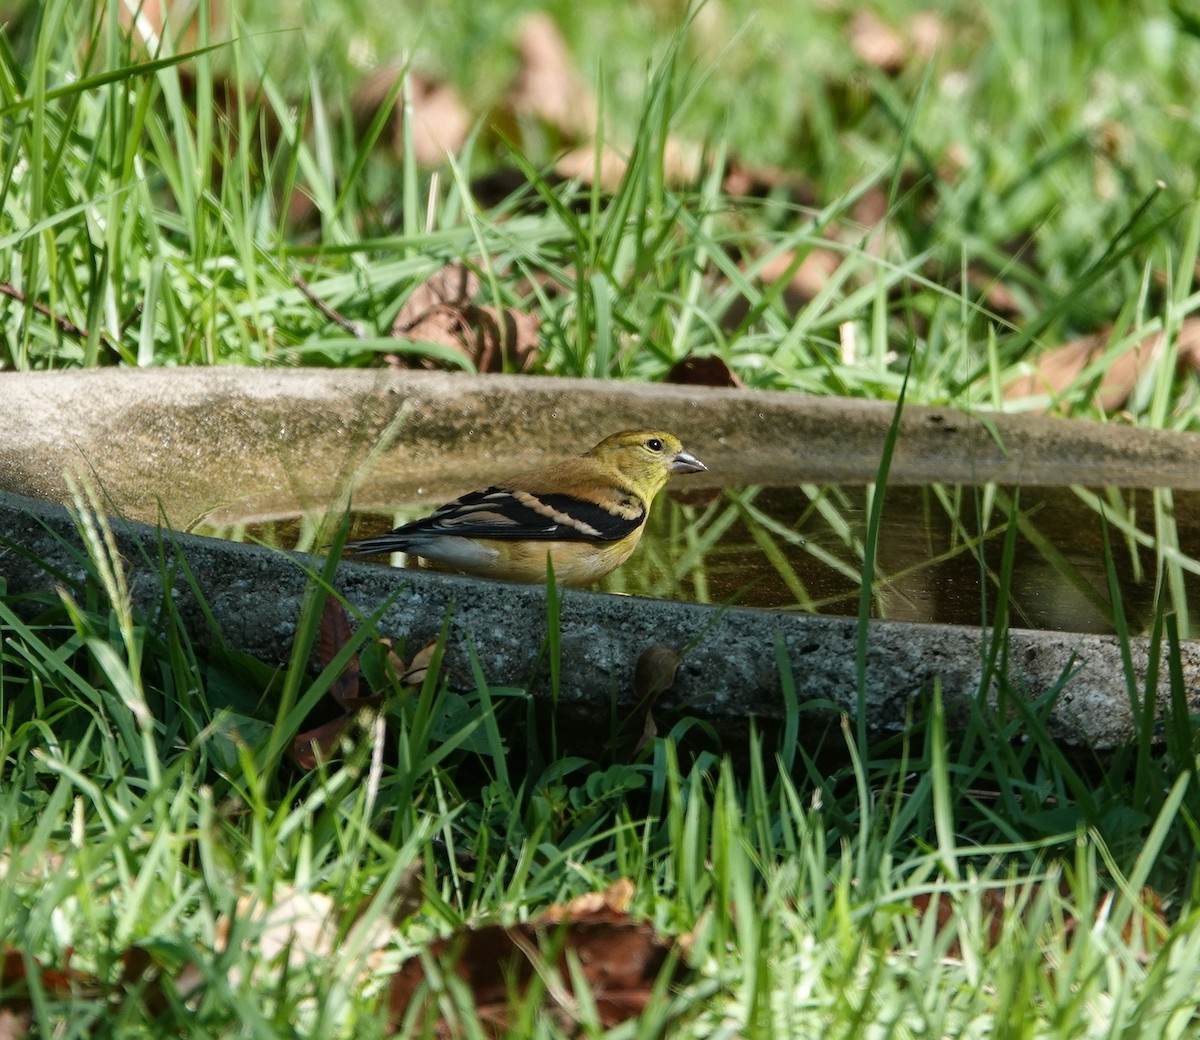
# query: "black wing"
515,515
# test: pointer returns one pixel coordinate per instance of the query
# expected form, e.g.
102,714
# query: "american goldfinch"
586,514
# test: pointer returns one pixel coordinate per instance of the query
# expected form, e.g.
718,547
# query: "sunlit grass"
146,790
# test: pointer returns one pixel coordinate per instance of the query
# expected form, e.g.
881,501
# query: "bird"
585,514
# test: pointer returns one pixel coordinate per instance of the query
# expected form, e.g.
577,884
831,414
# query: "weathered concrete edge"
728,675
267,442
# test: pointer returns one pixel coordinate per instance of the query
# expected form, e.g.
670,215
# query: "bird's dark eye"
654,444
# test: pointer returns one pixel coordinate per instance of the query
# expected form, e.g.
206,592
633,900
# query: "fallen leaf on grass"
416,672
703,370
300,925
620,959
442,310
1061,368
810,274
653,675
888,49
548,87
681,165
21,975
333,633
440,120
321,742
998,903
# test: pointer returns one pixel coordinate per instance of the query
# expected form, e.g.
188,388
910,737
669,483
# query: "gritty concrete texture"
235,444
728,675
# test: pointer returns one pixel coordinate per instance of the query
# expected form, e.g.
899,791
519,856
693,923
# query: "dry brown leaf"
614,900
505,340
333,633
442,310
320,743
703,370
653,675
17,1004
414,674
998,905
620,958
876,43
393,663
441,122
655,671
548,87
808,279
880,45
681,164
1059,369
434,304
303,925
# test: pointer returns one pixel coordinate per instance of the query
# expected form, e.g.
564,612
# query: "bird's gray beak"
685,462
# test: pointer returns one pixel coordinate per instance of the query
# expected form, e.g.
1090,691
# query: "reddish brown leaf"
319,743
17,986
703,370
620,958
998,903
323,742
332,635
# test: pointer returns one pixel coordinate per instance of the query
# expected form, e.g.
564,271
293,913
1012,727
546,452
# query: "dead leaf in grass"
999,903
548,87
681,162
323,741
22,976
320,743
880,45
1061,368
415,673
619,957
442,310
441,122
298,926
810,274
703,370
333,633
653,675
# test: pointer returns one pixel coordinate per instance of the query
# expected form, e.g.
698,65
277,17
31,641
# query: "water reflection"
944,552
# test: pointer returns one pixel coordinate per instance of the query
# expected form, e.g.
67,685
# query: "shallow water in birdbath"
944,552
